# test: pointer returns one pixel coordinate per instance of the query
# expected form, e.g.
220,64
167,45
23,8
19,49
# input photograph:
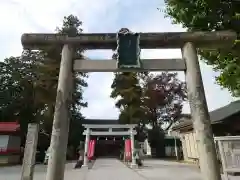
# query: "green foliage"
19,90
72,27
127,90
28,86
205,15
148,99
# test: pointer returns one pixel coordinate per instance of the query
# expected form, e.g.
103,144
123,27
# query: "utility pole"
200,115
59,139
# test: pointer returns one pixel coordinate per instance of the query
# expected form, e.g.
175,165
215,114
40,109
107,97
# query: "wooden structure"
224,122
10,142
229,151
187,41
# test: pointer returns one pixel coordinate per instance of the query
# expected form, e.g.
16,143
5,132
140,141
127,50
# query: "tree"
163,95
20,97
163,98
126,85
204,15
29,82
51,63
127,90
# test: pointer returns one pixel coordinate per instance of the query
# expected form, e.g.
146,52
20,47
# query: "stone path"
111,169
170,170
14,172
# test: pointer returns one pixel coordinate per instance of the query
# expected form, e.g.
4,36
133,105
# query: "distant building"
111,144
225,121
9,143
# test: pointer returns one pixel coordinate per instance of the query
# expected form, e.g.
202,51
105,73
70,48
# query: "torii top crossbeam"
163,40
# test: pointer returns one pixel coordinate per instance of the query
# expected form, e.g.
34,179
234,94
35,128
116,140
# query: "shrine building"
109,136
9,143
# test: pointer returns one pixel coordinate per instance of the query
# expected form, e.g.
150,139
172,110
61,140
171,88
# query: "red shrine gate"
108,130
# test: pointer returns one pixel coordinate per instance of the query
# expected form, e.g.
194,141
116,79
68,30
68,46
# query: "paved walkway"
14,172
111,169
170,170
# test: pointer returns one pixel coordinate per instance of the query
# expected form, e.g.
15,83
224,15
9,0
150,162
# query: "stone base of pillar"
134,166
84,166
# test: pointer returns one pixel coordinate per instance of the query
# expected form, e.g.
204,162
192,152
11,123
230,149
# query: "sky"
98,16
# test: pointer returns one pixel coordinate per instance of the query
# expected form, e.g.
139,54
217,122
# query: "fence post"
30,152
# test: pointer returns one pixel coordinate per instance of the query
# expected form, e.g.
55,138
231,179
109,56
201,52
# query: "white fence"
229,151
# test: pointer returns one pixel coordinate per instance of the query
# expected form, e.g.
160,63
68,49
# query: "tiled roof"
216,116
9,126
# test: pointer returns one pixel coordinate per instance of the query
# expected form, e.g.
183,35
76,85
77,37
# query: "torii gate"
187,41
131,132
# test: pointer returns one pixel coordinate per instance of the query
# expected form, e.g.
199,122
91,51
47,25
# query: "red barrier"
128,152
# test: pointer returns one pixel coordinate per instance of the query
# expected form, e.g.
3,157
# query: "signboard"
128,49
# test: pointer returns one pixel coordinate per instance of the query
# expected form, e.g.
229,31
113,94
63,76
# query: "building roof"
216,116
100,121
9,126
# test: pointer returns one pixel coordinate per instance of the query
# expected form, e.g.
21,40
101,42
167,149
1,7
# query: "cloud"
22,16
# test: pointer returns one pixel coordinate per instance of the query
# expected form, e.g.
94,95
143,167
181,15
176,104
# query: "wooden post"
30,152
59,139
200,115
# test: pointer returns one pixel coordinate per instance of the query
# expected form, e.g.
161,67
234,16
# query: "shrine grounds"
113,169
